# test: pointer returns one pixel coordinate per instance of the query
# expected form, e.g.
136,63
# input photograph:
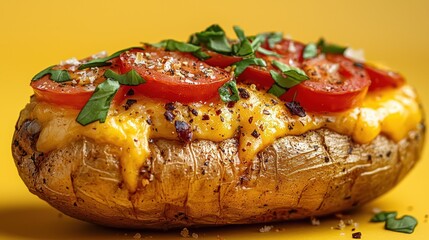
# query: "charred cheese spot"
393,112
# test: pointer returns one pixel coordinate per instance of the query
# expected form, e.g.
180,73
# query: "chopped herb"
295,108
244,47
383,216
213,38
243,64
405,224
294,73
274,38
229,92
56,75
276,90
268,52
310,51
131,78
330,48
97,107
173,45
99,62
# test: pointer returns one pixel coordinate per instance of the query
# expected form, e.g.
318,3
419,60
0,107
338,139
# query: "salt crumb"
266,228
342,234
184,233
315,221
341,225
194,235
137,236
376,210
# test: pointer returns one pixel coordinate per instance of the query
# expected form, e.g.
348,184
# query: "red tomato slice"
383,78
174,76
291,50
220,60
72,94
335,85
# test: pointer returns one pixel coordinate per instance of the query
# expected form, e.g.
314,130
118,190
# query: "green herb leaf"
330,48
244,47
274,38
229,92
173,45
131,78
268,52
310,51
405,224
201,55
383,216
293,73
258,40
56,75
240,33
214,39
97,108
243,64
276,90
100,62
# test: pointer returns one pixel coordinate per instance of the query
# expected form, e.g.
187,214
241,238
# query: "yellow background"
36,34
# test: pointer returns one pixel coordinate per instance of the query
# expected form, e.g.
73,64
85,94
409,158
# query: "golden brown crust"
196,184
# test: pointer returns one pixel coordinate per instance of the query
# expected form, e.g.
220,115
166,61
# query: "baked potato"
184,168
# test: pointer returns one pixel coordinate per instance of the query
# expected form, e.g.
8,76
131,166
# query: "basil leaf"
310,51
274,38
294,73
268,52
258,40
406,224
201,55
214,38
100,62
131,78
276,90
56,75
240,33
330,48
383,216
243,64
229,92
97,108
173,45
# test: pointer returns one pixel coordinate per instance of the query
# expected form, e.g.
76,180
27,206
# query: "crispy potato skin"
203,183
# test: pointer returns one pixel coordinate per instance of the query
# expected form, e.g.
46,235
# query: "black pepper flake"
358,64
169,106
295,108
130,92
357,235
206,117
129,103
184,132
326,159
222,119
266,112
149,121
274,102
193,111
255,134
243,93
169,115
250,120
388,153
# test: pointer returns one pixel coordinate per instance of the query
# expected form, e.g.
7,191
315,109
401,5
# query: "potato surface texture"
203,183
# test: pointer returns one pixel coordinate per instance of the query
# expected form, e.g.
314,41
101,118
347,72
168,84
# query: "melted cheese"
257,121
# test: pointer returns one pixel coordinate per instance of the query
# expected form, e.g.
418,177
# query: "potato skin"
203,183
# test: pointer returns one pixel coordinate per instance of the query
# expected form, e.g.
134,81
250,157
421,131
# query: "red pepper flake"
130,92
295,108
149,121
230,104
250,120
184,132
255,134
169,115
357,235
218,112
206,117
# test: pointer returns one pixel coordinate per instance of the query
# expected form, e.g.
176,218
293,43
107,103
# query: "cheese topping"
257,121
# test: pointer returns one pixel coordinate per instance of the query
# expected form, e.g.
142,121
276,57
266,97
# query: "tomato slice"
220,60
290,50
74,93
336,84
381,78
174,76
